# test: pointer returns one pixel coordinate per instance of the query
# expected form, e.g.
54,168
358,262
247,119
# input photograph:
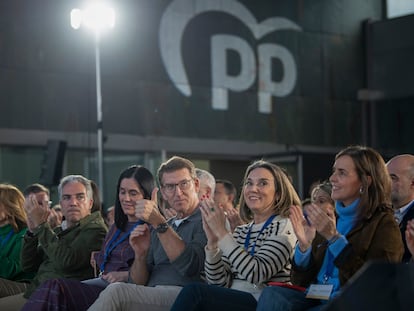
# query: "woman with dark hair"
112,261
12,229
238,265
334,245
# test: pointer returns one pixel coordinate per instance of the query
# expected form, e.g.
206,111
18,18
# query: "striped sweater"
231,265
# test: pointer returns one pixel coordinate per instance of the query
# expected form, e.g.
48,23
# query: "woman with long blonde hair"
12,229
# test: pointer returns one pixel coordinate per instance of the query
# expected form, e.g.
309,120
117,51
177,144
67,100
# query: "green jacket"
11,245
377,238
62,254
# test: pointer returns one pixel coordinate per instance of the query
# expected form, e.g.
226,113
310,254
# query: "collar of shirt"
399,213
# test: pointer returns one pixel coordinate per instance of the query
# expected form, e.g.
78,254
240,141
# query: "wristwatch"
162,227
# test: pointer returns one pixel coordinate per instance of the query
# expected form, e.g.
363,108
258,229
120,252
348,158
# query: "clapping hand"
214,221
37,213
233,216
304,230
324,221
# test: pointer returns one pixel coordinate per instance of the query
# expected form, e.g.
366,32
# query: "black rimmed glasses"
183,185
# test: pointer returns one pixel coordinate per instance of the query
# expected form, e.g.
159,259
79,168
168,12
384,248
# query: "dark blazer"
403,225
376,238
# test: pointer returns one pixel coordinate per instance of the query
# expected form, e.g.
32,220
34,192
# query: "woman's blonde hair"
285,193
12,200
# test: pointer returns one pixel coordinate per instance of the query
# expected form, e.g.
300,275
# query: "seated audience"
332,249
112,261
168,254
57,253
239,265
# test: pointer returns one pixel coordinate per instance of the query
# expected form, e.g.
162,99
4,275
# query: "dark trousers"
199,296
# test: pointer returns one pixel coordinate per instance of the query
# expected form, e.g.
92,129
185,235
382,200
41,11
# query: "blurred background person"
207,183
225,196
42,195
401,170
12,229
109,216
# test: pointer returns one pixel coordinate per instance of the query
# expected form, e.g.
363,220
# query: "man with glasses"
57,253
168,254
42,195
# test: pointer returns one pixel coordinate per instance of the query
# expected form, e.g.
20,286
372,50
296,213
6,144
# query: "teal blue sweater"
11,244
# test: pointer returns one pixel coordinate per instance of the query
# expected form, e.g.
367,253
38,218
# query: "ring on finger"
212,209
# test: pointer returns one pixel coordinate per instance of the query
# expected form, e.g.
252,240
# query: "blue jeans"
277,298
203,297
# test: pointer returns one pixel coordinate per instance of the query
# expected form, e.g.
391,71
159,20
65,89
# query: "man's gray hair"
206,178
76,179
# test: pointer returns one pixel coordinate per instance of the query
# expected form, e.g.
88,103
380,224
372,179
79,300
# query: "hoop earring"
361,190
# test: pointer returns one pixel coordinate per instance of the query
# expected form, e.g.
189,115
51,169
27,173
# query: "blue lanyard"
114,243
329,268
7,238
247,241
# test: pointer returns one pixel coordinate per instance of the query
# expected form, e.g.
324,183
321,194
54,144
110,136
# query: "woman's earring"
361,190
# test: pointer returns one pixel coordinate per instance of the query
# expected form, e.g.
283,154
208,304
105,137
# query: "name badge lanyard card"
323,291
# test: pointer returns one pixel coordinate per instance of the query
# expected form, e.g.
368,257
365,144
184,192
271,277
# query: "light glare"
76,18
97,16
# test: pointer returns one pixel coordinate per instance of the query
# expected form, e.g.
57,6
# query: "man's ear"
196,184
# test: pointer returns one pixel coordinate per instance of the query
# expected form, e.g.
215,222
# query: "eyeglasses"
80,197
183,185
49,203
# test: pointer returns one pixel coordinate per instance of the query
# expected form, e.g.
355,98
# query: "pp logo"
173,23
